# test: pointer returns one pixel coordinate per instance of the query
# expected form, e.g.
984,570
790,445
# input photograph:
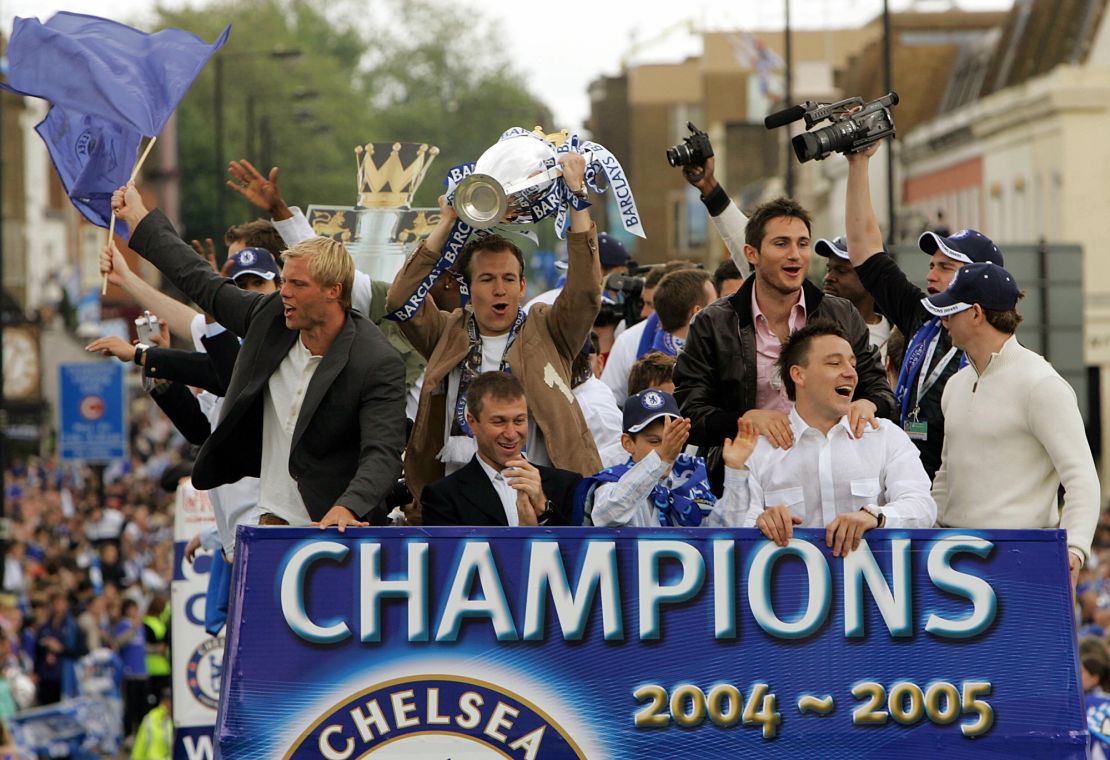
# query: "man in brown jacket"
494,334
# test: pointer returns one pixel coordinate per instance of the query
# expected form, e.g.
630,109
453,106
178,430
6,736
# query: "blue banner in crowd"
87,728
578,642
93,422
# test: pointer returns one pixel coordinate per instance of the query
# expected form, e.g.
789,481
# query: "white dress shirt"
621,358
822,476
281,406
505,492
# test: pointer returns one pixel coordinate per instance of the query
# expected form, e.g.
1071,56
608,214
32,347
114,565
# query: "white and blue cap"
986,284
966,246
645,407
837,247
256,261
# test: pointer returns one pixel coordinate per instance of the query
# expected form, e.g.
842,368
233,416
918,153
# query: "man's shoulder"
838,309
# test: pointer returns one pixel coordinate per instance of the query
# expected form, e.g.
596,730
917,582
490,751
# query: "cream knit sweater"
1012,436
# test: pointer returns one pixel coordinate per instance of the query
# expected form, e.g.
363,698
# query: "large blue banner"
92,411
637,643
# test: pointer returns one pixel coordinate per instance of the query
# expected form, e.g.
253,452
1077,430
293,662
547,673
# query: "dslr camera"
850,130
694,150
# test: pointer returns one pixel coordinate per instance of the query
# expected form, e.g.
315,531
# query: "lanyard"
925,383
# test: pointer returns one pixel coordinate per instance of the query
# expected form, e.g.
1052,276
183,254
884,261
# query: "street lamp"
276,54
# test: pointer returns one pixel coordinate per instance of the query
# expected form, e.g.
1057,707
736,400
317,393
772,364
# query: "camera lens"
679,155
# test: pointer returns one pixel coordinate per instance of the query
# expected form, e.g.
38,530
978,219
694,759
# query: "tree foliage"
405,72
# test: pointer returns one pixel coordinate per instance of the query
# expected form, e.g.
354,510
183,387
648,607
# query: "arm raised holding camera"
725,215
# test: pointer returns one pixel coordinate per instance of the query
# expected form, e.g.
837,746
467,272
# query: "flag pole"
112,223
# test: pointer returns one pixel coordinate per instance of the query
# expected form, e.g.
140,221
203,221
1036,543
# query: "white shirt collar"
491,473
799,426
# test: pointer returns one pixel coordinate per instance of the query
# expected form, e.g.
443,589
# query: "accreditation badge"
917,430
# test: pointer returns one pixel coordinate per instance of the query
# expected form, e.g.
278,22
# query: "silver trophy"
513,182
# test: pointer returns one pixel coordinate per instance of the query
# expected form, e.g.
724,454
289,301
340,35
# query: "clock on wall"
22,365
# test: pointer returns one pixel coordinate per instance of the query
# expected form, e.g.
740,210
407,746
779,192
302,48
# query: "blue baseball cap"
610,251
256,261
645,407
986,284
967,246
836,247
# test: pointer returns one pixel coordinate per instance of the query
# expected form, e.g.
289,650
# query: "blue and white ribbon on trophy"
548,197
602,164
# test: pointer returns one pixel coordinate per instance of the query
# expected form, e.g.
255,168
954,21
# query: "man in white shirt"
499,486
829,478
1014,433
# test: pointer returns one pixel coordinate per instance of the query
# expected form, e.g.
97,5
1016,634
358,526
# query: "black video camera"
694,150
849,132
630,299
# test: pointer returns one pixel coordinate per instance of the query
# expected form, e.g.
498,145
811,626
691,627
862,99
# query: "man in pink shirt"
726,369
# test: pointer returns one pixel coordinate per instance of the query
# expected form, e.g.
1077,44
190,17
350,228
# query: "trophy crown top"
390,173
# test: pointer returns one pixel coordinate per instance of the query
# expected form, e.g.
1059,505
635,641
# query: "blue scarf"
684,504
913,364
655,338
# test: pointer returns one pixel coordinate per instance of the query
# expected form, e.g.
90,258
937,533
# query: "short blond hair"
328,263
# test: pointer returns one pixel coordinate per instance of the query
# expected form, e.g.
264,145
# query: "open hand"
772,425
341,517
736,450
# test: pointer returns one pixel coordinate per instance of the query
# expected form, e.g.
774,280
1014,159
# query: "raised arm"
865,239
725,215
154,238
575,309
171,311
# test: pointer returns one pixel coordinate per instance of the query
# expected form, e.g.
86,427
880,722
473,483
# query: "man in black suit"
315,406
499,486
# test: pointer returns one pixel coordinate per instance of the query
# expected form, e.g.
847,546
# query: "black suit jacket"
467,497
209,371
181,406
346,446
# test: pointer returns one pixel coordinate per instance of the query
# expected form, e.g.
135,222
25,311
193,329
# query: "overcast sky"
559,72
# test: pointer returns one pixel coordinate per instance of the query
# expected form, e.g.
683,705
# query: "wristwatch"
876,512
547,514
579,198
140,349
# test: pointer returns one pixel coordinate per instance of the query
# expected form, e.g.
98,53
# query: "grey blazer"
351,429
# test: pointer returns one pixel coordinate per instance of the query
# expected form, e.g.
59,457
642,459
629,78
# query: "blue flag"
108,85
93,157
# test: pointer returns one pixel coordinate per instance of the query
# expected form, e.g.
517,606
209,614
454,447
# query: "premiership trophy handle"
482,200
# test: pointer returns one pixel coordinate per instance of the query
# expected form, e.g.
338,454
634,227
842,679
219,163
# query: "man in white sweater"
1014,433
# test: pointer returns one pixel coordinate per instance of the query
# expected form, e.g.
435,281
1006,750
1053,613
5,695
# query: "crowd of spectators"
87,572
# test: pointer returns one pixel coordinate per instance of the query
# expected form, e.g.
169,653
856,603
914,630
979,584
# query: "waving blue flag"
108,85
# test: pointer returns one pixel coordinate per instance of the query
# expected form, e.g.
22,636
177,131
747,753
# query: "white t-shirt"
603,418
621,358
880,334
236,503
